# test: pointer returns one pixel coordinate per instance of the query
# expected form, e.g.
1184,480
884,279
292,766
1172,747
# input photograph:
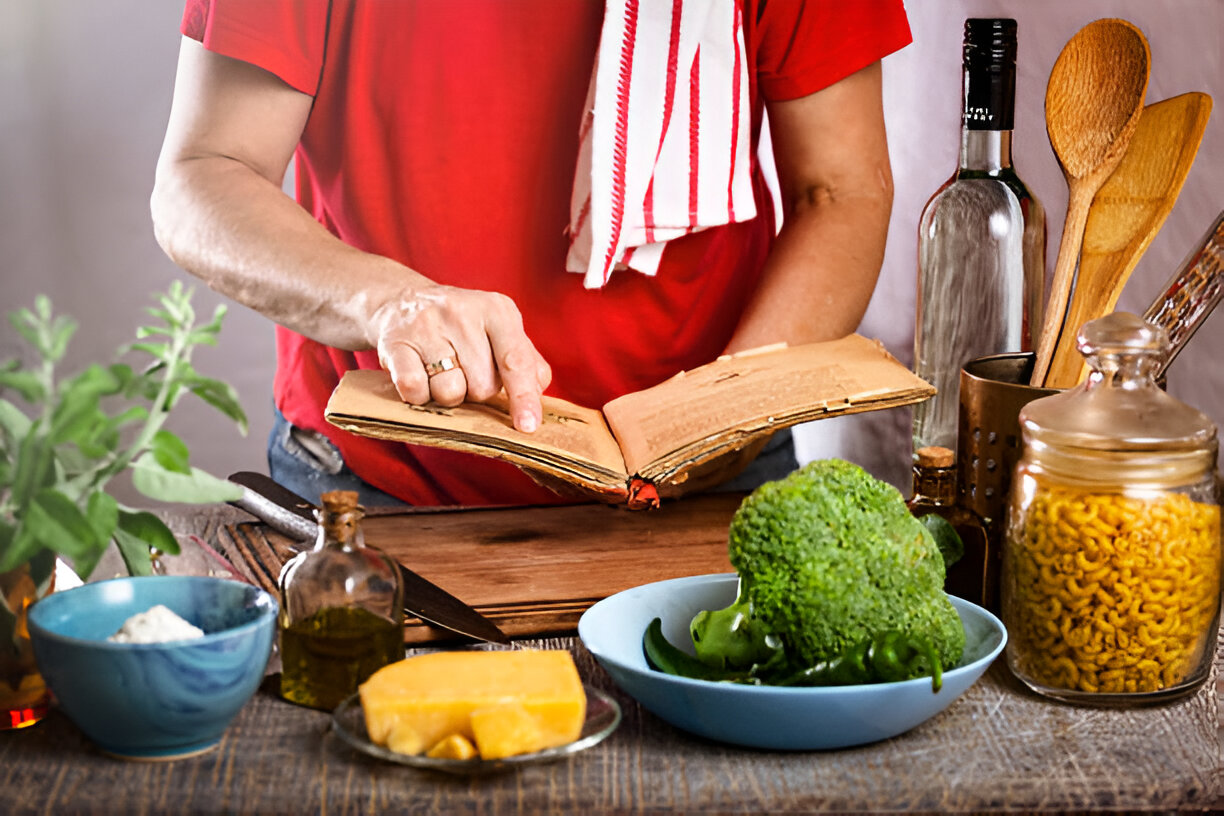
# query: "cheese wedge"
452,747
529,700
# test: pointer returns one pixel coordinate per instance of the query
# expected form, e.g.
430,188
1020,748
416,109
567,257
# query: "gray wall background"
85,88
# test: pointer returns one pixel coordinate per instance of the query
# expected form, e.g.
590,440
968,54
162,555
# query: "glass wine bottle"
981,241
341,616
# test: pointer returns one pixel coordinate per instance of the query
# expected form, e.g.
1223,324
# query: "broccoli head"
828,557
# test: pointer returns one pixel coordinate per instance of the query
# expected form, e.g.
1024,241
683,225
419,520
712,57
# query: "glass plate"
603,715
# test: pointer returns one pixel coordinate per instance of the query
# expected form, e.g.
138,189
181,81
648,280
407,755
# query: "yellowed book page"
757,392
366,402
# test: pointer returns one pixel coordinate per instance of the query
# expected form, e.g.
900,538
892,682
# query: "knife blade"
293,516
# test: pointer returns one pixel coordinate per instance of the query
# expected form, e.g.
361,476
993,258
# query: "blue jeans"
309,464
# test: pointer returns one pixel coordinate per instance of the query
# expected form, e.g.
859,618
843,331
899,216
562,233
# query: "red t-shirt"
444,135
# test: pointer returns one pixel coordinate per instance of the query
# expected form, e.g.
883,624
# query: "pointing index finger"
520,369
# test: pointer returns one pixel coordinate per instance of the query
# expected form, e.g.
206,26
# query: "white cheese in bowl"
157,625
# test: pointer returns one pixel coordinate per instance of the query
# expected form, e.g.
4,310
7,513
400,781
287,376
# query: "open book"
651,443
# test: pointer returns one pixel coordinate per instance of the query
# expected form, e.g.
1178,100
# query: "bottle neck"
987,114
987,151
340,531
935,485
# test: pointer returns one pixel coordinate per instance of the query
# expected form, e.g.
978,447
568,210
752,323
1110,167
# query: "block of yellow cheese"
426,698
506,729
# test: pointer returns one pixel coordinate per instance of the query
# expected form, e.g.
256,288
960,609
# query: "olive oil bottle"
341,615
975,575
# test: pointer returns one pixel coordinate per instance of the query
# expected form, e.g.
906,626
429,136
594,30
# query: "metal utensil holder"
992,391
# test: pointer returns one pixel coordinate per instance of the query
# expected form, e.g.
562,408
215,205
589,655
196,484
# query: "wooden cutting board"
531,570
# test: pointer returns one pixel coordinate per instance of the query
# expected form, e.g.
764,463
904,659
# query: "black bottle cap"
989,60
989,43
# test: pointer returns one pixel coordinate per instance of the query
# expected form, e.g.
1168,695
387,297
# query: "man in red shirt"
435,146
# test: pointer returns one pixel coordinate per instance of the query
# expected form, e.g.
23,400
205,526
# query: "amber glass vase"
24,699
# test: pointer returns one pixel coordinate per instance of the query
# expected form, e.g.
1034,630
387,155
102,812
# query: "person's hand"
449,345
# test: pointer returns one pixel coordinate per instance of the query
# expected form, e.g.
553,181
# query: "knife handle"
279,518
1192,293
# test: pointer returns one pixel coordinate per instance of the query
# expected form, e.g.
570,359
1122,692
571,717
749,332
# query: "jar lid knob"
1121,333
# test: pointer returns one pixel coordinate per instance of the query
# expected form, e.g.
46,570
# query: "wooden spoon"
1093,102
1126,214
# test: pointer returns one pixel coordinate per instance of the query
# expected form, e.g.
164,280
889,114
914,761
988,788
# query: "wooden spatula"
1126,214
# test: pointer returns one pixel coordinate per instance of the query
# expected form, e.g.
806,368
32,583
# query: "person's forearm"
236,231
822,270
218,212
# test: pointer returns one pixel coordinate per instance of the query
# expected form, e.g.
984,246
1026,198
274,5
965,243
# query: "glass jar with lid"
1111,574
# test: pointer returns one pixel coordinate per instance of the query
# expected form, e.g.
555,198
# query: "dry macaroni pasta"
1110,593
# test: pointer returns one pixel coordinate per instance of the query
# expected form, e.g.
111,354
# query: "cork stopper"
935,456
339,501
340,514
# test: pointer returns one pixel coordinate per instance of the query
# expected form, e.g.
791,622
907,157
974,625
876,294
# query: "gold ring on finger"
445,364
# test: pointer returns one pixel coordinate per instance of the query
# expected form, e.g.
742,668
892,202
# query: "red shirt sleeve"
803,46
285,37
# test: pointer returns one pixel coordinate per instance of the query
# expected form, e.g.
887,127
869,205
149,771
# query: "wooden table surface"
998,748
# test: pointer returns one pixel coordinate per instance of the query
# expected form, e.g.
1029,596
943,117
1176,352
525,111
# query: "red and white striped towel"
665,147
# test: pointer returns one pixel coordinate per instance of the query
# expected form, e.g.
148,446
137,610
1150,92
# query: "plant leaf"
20,547
71,461
135,553
170,452
199,337
150,529
79,409
159,351
61,331
221,396
102,511
34,469
57,524
25,383
138,531
946,538
8,533
196,487
13,423
29,326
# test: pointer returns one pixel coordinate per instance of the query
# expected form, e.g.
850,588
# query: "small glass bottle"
974,576
981,240
341,615
1111,569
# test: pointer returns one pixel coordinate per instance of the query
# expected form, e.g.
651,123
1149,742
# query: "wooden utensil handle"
1079,200
1067,364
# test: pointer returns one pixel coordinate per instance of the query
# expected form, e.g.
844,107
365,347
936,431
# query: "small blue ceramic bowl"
780,718
158,700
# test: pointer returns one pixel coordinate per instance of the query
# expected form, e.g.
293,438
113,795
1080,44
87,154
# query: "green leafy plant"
79,432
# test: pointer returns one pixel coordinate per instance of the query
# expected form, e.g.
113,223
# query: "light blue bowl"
157,700
795,719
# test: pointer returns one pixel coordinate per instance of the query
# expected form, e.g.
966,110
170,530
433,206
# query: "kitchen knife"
290,514
1195,289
